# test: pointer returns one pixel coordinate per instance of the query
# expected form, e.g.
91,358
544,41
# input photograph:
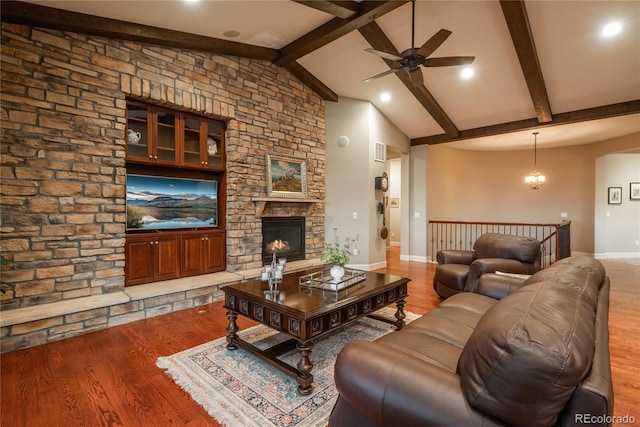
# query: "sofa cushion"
439,336
495,245
529,351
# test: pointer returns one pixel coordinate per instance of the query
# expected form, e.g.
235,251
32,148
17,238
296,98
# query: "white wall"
347,174
418,220
488,186
617,227
350,176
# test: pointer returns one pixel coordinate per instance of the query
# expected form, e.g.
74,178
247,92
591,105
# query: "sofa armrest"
391,387
491,265
498,286
454,257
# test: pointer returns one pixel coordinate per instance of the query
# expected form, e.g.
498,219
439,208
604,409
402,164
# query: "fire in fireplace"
284,236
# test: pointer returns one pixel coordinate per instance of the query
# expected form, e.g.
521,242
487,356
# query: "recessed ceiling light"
385,97
467,73
611,29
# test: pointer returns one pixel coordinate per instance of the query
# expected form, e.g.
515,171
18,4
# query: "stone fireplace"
66,235
284,236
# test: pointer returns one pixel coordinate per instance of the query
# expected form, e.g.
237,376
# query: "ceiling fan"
412,58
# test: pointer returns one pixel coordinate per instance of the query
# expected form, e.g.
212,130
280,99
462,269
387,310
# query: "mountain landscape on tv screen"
161,203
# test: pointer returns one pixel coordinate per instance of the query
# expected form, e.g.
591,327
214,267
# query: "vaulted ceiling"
539,65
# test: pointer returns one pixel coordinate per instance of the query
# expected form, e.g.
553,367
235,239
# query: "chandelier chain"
535,150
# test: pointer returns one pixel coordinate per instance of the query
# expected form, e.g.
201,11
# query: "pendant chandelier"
535,179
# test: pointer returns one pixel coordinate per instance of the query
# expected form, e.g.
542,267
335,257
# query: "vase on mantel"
337,271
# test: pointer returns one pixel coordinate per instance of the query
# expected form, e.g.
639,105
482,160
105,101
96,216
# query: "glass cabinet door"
215,146
191,142
166,136
137,132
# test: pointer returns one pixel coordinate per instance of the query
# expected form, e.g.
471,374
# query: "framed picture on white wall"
634,191
615,195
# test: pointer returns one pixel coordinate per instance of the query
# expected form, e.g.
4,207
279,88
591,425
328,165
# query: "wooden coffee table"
307,314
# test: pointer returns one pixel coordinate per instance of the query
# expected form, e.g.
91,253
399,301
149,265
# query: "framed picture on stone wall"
286,176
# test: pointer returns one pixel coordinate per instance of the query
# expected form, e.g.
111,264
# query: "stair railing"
555,239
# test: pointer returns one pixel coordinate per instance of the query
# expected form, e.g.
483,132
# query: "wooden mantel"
261,203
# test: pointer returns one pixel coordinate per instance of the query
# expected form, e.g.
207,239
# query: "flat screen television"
156,203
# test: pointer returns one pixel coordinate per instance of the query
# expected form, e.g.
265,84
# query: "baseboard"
415,258
616,255
368,267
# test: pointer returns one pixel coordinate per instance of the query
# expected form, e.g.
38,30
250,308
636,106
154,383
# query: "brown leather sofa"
460,271
537,357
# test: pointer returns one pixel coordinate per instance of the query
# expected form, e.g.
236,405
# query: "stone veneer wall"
63,167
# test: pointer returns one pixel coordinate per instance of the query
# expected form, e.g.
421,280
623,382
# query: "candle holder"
272,274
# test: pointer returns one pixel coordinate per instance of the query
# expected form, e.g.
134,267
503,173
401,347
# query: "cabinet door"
192,254
137,134
167,257
214,148
215,252
166,136
192,142
138,260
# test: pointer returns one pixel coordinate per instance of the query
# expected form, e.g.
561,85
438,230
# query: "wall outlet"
637,242
563,215
355,215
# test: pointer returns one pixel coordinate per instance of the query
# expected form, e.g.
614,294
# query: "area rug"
238,389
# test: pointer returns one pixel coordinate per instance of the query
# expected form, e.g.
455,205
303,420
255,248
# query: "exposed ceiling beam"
58,19
595,113
310,80
517,19
332,30
379,41
340,9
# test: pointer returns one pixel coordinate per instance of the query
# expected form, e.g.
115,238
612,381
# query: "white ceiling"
581,68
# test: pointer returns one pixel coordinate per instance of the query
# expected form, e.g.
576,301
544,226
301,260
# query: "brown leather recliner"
459,270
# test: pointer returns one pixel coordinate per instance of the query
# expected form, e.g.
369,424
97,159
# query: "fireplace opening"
284,236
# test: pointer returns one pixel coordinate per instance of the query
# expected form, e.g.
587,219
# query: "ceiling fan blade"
416,76
385,55
392,70
433,43
446,61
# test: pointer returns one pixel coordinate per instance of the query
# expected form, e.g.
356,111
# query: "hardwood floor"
109,378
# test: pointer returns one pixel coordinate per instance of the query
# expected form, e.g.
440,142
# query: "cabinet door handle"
155,157
151,157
